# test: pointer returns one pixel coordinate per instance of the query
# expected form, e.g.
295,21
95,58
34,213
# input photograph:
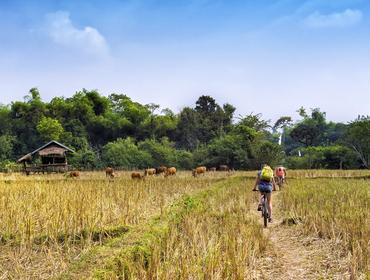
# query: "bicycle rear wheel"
281,183
265,212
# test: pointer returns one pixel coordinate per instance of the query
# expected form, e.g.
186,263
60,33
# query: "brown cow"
160,169
199,170
170,171
74,174
136,175
109,172
149,172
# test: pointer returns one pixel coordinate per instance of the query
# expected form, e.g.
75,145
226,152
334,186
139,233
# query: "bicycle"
264,209
280,182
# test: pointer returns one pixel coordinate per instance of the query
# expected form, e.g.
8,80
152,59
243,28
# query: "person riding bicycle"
280,173
266,184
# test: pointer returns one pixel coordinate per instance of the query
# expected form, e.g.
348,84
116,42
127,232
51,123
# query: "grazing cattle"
136,175
199,170
160,169
212,169
74,174
170,171
149,172
109,172
224,168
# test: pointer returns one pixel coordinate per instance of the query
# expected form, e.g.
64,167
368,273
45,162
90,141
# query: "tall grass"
322,173
48,221
338,209
316,173
33,209
216,238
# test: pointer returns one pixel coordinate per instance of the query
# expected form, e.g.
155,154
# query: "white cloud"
348,17
62,31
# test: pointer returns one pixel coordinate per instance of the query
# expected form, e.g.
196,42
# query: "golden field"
337,209
179,227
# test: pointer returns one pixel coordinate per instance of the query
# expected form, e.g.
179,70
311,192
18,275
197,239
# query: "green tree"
152,108
166,124
81,108
187,129
311,130
5,120
335,132
6,147
229,111
184,159
267,152
305,133
210,119
125,153
24,118
282,122
100,104
331,157
358,139
162,152
85,159
161,125
135,112
229,150
255,122
50,129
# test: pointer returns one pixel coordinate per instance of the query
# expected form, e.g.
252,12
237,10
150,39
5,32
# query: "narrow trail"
292,255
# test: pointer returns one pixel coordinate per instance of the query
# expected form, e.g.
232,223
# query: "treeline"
119,132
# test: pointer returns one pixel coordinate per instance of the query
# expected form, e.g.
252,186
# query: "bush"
267,152
8,166
85,159
330,157
184,159
124,153
161,153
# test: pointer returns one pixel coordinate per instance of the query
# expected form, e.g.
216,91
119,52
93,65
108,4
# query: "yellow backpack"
267,173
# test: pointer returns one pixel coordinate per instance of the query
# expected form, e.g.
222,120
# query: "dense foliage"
120,132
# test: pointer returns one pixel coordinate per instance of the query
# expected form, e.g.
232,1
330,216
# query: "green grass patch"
220,211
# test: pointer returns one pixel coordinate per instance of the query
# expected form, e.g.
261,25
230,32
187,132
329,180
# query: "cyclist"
266,184
280,173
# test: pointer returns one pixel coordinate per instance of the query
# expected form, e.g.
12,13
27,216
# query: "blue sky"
248,53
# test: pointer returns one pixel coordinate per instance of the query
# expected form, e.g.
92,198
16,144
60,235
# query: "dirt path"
292,255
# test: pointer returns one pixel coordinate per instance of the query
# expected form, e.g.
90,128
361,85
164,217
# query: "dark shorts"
265,187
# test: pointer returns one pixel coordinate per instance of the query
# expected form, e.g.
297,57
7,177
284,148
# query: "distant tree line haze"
119,132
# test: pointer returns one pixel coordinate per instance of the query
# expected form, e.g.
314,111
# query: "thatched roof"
51,148
27,157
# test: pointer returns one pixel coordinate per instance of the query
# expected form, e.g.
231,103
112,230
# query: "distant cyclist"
280,173
266,184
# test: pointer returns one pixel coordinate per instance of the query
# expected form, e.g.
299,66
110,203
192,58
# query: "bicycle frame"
265,212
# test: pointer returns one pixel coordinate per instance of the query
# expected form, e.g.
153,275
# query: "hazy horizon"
249,54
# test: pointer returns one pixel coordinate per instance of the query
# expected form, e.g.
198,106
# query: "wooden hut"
52,158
